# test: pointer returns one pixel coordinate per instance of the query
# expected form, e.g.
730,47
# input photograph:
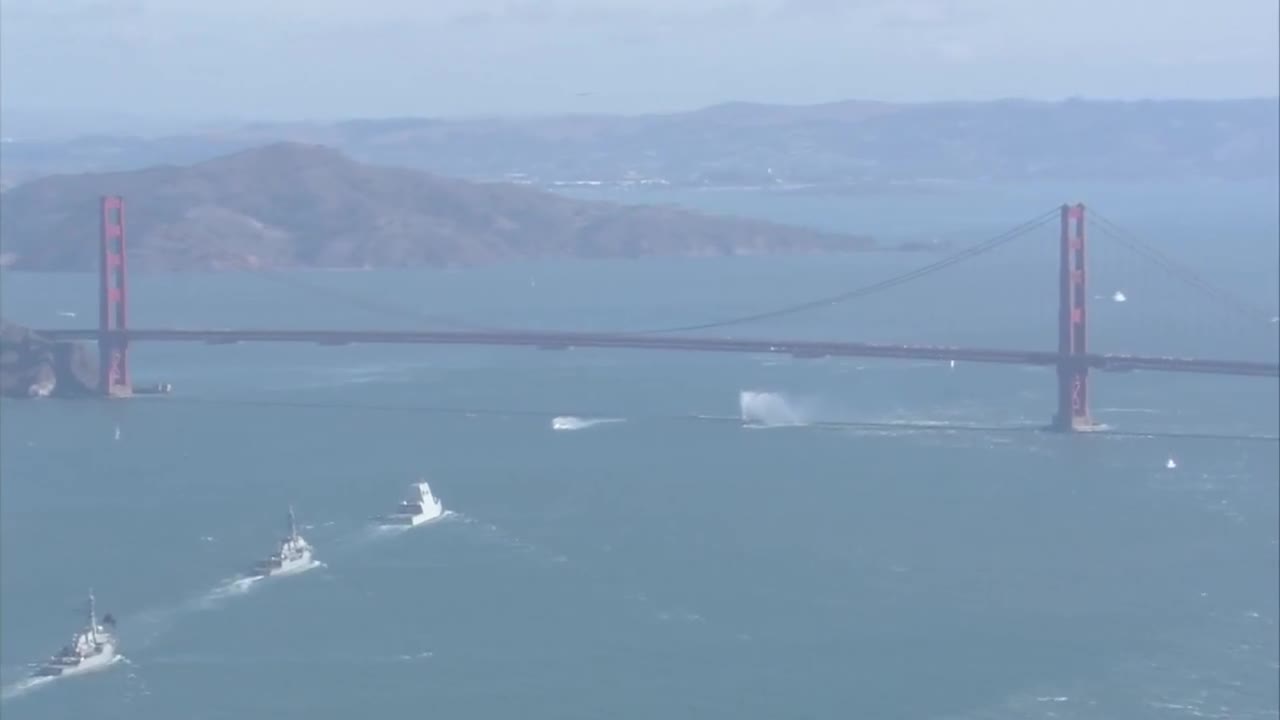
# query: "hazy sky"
298,59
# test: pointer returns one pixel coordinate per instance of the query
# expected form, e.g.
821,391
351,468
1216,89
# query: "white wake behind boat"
93,648
421,507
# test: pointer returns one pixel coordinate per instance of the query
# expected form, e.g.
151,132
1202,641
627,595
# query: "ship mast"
293,525
93,618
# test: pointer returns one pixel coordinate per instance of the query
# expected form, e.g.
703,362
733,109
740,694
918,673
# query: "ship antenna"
93,617
293,525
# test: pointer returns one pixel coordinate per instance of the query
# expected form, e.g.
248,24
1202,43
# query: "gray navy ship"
293,556
93,648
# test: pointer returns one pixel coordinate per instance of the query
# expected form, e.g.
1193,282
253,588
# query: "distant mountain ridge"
841,143
294,205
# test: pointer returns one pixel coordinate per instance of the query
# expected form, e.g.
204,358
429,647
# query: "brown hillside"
288,204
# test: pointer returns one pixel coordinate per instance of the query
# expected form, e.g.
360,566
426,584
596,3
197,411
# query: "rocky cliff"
34,366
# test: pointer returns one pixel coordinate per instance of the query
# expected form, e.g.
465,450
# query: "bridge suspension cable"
1180,271
364,303
970,252
863,291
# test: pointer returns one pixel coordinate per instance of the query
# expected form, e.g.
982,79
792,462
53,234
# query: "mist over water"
766,409
679,563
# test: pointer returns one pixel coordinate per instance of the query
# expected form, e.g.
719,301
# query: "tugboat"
92,648
421,507
294,554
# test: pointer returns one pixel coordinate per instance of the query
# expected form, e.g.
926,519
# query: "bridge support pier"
113,302
1073,374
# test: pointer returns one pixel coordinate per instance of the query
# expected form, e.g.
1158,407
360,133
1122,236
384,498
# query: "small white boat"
421,507
1170,464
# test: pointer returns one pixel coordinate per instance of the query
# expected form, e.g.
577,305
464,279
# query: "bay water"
662,535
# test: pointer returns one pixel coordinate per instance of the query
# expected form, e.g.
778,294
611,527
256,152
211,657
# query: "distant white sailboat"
117,432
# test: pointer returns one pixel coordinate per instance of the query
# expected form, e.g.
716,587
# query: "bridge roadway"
561,340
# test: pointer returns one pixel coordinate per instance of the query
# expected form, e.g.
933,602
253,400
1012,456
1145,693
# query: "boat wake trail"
569,422
377,532
147,626
26,685
242,584
235,586
768,410
382,532
758,410
294,659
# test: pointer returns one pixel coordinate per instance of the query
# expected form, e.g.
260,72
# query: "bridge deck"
560,340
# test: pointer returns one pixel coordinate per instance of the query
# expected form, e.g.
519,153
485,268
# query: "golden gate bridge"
1072,359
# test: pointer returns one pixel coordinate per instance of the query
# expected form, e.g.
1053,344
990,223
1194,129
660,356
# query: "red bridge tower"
113,302
1073,373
